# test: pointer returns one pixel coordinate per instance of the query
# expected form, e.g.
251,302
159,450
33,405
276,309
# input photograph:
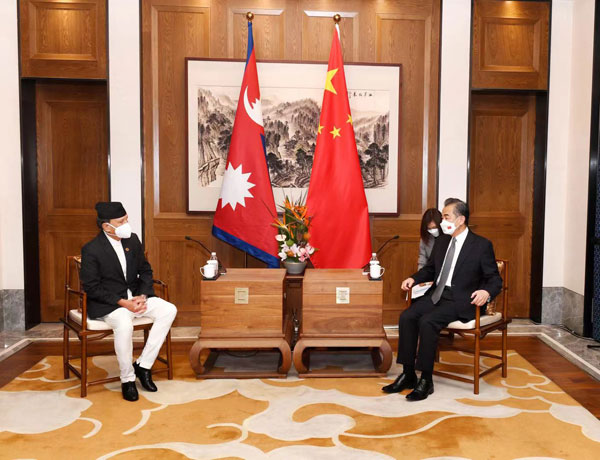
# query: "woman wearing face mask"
430,230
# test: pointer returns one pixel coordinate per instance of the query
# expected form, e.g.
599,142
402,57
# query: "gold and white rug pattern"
525,416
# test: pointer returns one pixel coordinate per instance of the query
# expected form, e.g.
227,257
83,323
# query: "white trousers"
121,321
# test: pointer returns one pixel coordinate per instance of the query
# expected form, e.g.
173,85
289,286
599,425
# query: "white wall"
558,142
125,100
579,145
568,144
454,99
11,223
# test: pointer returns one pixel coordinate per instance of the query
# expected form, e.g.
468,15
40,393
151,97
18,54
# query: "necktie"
437,293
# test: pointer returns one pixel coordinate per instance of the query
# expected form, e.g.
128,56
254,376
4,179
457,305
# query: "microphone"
366,266
221,268
189,238
395,237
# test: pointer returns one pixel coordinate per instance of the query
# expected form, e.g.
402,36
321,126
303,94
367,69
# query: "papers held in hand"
419,289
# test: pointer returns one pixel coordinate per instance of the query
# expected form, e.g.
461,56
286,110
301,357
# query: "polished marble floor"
573,348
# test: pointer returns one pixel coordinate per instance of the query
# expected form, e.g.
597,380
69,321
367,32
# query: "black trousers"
421,324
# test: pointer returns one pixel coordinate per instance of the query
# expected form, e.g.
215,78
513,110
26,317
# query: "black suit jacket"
475,269
102,276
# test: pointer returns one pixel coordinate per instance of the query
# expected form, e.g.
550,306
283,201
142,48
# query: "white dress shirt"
460,240
118,247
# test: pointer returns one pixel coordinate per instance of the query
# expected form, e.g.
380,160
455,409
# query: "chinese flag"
336,197
246,208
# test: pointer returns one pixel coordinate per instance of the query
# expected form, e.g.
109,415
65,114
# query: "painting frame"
384,81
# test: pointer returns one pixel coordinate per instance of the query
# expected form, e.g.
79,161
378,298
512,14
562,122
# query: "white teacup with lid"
209,270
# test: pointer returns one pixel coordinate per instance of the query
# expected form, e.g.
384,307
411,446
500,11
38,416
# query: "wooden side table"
243,310
342,308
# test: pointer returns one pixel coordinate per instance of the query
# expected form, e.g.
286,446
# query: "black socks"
427,375
409,371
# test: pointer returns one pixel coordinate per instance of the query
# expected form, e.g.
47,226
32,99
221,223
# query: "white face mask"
434,232
122,231
448,227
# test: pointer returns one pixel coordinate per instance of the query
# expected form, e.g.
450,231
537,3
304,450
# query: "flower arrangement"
293,231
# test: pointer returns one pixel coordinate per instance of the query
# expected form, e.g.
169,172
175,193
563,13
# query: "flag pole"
249,17
336,176
337,18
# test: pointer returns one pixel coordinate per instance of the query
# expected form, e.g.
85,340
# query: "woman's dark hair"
431,215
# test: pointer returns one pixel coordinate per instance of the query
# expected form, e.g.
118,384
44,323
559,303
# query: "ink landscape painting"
291,118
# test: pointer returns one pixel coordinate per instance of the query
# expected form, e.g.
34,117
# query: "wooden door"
501,184
72,158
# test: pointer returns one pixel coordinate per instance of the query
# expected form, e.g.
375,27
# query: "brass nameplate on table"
342,295
241,295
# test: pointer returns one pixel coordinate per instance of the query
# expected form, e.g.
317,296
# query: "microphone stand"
366,266
221,268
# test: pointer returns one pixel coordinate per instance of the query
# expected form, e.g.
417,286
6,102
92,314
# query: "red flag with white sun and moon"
246,207
336,196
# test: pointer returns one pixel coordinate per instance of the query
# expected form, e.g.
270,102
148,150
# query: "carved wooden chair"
492,321
87,330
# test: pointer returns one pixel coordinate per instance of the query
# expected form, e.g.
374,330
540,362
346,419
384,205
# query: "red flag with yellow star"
336,197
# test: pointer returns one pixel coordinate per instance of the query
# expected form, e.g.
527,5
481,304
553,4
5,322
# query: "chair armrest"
164,289
75,292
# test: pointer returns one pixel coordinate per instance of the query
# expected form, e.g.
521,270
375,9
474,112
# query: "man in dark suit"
463,268
117,279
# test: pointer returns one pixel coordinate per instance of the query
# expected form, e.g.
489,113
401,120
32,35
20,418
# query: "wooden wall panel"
501,184
72,176
316,25
510,44
392,30
181,32
409,35
402,31
63,39
268,33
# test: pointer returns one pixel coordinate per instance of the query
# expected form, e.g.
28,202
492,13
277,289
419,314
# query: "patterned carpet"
524,416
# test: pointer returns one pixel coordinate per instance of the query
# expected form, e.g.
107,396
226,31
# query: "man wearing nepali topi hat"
117,279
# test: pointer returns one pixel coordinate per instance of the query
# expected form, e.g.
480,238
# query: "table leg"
286,357
298,357
384,357
195,353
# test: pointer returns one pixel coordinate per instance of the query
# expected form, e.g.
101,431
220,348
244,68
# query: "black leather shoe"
402,382
145,376
423,389
129,391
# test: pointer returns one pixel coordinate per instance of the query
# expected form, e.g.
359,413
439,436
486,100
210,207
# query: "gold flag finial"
337,18
249,16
